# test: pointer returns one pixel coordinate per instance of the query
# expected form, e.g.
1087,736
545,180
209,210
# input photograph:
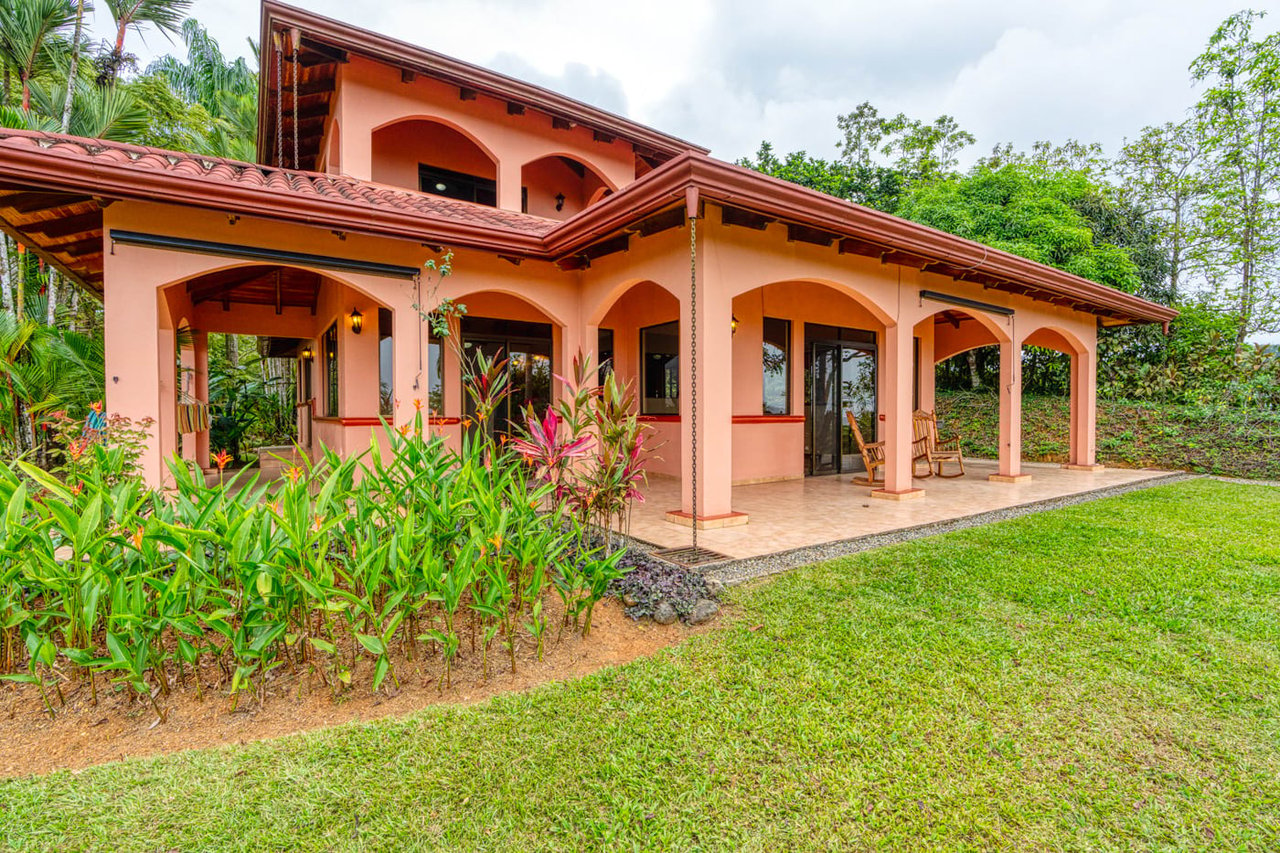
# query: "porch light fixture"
307,352
559,201
357,321
733,324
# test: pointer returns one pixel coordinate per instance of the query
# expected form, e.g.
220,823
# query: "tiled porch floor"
816,510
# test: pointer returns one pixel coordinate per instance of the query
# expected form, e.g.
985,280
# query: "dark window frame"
786,366
458,185
645,409
331,370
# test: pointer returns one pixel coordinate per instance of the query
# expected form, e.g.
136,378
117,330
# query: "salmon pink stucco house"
572,230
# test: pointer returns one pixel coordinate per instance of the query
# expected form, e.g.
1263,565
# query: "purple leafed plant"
648,582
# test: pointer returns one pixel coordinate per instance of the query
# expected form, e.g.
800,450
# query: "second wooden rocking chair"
937,451
872,455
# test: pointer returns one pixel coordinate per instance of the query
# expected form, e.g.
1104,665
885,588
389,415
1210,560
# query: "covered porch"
800,513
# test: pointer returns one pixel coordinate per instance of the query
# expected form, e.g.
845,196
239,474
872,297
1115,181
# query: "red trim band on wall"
661,419
768,419
350,422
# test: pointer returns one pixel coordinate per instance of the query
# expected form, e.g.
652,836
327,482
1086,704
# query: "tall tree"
165,15
1160,174
918,150
862,182
26,29
1238,117
74,67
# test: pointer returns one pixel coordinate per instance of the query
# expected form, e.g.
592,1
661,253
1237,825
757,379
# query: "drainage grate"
689,557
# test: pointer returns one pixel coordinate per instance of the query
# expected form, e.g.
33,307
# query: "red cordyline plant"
550,453
589,446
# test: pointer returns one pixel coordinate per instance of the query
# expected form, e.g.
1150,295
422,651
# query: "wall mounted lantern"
307,352
733,325
559,201
357,321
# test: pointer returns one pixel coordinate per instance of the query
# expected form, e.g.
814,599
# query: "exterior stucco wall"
742,272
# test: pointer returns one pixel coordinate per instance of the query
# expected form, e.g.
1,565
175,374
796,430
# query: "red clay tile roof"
104,155
52,185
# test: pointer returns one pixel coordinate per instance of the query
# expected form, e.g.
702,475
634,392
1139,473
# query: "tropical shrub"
401,554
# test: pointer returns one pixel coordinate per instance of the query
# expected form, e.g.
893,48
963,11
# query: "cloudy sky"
729,74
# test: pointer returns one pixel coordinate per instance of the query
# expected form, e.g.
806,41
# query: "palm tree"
164,15
227,89
26,29
97,113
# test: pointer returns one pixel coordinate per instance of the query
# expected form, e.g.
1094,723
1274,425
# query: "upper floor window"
459,185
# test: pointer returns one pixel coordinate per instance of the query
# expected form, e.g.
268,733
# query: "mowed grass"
1103,676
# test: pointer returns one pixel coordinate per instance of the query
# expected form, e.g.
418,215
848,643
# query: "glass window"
386,365
331,371
660,364
435,376
459,185
777,367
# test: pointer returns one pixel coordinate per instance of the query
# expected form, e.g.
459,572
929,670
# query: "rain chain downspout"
693,357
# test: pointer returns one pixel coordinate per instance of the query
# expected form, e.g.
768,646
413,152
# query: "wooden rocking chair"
872,455
936,451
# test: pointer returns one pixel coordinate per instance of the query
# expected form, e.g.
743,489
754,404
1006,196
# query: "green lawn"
1103,676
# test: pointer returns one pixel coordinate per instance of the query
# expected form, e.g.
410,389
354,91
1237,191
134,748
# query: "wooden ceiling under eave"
316,74
63,228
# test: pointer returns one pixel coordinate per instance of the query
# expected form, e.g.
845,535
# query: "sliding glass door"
840,378
527,349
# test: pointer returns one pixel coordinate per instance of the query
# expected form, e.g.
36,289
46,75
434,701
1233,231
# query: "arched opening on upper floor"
557,186
434,157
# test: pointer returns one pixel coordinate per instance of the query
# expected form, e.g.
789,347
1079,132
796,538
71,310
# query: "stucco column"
1084,412
411,366
897,371
714,387
509,185
927,369
133,358
1010,414
200,346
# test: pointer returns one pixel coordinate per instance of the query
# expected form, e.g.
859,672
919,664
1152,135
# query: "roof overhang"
53,190
853,229
325,43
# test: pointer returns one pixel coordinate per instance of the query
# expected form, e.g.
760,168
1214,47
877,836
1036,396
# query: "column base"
1072,466
707,522
905,495
1008,478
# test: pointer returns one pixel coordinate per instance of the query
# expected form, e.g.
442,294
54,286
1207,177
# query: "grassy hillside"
1131,435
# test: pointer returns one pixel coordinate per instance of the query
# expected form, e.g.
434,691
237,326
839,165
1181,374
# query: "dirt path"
117,727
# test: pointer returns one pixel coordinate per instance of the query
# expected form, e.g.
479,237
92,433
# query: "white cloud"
729,74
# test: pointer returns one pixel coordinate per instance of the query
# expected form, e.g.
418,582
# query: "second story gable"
377,109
